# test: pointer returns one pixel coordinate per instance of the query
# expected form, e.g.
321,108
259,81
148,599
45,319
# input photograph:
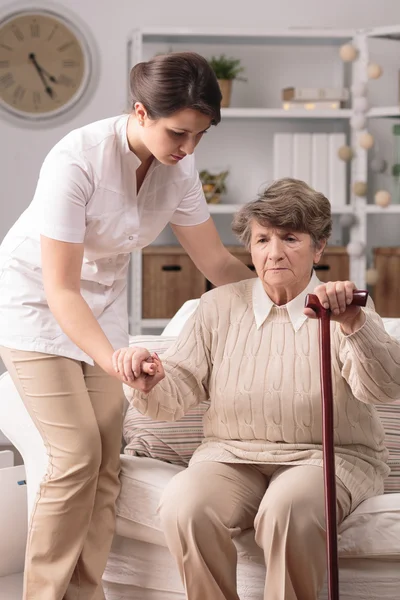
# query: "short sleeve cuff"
62,234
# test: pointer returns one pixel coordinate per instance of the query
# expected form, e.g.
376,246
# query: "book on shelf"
283,155
301,156
309,106
303,94
337,170
320,163
313,158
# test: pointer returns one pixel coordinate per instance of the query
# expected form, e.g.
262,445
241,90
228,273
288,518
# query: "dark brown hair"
288,204
171,82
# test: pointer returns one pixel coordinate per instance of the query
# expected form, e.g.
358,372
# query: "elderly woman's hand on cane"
337,296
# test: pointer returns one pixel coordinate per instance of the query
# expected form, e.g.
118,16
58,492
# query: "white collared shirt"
262,303
86,193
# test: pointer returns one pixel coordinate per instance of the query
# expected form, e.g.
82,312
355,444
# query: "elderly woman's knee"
293,511
181,504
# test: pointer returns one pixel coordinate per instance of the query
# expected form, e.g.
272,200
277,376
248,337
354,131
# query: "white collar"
262,303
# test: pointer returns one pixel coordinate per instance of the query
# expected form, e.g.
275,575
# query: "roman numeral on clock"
18,33
6,80
18,94
65,46
69,63
35,30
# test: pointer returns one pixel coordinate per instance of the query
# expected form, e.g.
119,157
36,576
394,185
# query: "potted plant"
226,70
213,185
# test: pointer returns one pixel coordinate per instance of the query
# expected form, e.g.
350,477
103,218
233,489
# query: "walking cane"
328,446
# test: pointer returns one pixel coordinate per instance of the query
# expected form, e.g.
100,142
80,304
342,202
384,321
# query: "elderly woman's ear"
320,246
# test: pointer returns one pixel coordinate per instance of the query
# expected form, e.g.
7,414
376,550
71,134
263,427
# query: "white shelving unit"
304,37
279,113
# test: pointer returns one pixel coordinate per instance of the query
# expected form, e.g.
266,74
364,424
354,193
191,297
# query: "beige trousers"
205,506
78,410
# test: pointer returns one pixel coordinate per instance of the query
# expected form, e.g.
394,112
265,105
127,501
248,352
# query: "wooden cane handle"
359,299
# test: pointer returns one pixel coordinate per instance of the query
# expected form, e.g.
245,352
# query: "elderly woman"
252,349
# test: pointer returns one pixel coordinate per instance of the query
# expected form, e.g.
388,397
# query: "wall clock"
46,64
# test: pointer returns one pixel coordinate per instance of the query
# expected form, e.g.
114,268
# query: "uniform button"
131,237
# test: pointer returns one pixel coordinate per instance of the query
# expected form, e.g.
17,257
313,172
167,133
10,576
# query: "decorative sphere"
382,198
359,89
345,153
374,71
347,220
358,121
360,188
378,165
366,140
360,104
355,248
348,52
371,276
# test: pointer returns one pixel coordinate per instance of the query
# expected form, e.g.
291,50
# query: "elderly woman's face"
283,259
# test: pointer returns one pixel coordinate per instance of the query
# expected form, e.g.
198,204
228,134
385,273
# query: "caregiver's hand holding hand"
138,368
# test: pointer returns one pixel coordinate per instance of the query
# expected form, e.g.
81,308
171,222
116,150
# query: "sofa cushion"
390,417
372,530
142,480
172,442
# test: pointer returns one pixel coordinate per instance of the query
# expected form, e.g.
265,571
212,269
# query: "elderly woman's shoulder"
223,295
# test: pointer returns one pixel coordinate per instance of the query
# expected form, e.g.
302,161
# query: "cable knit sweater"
263,384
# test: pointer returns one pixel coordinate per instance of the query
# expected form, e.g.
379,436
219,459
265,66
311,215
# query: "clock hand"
51,77
32,57
39,70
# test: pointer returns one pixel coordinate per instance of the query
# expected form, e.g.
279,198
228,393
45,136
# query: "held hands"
337,297
138,368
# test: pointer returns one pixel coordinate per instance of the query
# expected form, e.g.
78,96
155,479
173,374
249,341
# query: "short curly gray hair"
288,204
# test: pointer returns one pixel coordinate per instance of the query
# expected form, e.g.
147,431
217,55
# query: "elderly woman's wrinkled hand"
138,368
337,296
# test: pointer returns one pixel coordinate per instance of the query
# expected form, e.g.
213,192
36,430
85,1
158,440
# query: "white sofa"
140,566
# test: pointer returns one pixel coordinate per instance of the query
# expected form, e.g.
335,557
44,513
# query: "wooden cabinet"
170,277
334,265
386,292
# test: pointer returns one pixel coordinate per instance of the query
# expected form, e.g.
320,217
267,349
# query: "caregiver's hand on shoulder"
138,368
337,297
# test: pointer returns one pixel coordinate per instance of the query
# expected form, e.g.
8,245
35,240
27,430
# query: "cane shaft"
329,457
359,299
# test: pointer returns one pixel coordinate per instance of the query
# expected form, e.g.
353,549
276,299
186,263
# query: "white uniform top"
87,193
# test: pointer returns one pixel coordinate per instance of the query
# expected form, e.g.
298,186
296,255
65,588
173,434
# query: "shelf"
292,35
391,32
392,209
227,209
388,112
154,323
280,113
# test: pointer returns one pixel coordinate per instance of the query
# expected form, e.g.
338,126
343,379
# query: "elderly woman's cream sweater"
258,364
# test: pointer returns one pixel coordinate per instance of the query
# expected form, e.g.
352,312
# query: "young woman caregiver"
103,191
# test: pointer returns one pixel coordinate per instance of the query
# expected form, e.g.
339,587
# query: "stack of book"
314,98
313,158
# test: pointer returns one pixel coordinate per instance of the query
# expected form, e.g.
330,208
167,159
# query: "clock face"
44,65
